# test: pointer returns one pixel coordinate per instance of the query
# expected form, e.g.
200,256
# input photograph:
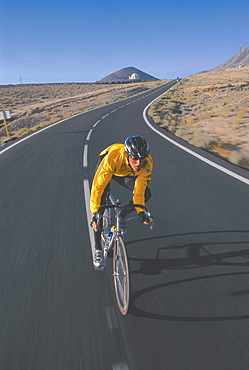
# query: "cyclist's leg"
129,182
97,234
98,256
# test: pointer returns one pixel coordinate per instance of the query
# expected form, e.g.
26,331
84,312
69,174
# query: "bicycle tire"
121,276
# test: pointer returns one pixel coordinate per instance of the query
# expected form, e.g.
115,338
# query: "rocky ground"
210,110
35,105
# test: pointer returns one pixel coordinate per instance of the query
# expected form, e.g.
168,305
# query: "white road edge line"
46,128
35,133
217,166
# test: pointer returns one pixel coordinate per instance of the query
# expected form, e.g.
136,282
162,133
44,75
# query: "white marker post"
4,115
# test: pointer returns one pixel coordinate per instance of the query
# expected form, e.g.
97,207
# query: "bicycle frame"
112,237
108,224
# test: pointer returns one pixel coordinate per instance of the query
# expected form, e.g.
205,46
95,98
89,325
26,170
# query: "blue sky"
83,41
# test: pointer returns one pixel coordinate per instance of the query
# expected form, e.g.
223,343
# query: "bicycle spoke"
121,276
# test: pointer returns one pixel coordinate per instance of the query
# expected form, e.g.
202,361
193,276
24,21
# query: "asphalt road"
189,275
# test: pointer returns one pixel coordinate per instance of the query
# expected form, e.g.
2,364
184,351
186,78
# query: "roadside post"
4,115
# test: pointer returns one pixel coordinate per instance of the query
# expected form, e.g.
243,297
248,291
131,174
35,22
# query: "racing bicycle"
113,229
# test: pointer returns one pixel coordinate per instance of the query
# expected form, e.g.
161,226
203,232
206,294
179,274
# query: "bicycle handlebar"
122,206
130,205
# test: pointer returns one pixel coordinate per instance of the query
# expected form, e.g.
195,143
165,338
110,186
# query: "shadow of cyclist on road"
196,255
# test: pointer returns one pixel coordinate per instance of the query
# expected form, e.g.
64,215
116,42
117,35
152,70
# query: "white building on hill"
134,76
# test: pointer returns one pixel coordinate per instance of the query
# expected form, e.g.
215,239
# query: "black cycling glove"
94,218
143,217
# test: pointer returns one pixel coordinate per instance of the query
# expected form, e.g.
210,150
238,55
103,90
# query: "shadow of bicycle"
213,248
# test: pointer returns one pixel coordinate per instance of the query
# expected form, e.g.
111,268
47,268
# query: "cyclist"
129,164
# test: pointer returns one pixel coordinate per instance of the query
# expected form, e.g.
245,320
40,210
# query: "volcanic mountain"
127,74
241,59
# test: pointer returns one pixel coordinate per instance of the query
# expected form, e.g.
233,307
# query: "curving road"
190,291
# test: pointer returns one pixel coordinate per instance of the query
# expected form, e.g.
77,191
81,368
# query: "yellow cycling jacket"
116,163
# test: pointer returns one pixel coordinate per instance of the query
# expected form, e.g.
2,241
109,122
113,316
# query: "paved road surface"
190,274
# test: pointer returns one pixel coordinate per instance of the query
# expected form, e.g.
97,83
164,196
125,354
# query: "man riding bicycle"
129,164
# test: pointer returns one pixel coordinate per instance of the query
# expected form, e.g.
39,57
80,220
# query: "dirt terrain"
35,105
211,111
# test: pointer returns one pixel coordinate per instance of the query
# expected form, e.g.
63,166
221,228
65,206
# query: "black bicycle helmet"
136,147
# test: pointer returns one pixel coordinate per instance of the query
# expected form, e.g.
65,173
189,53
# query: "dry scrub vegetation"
211,111
33,106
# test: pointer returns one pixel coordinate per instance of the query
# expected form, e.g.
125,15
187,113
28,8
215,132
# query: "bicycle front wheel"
121,276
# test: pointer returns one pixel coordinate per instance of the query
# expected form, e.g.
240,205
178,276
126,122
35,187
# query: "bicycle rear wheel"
121,276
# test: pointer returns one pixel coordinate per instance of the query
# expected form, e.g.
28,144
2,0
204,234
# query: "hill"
241,59
211,111
127,74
